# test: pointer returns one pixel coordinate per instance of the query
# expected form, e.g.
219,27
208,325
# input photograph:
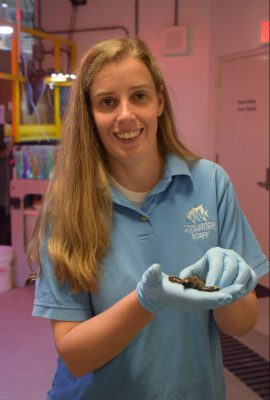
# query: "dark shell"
193,282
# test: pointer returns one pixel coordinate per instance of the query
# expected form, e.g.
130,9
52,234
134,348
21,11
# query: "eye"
107,102
140,96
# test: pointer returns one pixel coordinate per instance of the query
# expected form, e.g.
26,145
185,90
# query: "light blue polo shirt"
177,355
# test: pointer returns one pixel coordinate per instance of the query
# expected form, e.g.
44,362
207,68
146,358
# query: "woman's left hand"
224,268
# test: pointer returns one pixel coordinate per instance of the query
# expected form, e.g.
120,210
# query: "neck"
141,177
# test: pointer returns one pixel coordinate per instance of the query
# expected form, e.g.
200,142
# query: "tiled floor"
258,341
27,355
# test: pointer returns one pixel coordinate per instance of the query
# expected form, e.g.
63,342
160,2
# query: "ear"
160,99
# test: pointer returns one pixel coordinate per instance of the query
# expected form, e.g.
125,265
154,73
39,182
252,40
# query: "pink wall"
218,27
234,29
236,24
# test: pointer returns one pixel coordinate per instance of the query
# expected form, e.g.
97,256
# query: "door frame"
218,63
265,280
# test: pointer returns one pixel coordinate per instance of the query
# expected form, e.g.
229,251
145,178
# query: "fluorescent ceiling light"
5,28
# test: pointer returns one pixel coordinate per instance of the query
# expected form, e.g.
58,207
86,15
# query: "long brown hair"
76,214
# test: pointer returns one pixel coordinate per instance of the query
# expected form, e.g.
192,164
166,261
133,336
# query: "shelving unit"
21,132
19,189
24,132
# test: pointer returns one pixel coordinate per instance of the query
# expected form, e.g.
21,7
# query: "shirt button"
144,218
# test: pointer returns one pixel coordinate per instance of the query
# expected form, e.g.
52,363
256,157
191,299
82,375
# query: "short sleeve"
234,229
56,301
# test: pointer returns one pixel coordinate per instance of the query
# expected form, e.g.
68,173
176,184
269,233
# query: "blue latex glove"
155,292
224,268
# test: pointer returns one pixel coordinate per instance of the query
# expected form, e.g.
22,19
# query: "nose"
125,112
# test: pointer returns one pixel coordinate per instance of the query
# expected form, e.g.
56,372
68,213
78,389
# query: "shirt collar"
174,166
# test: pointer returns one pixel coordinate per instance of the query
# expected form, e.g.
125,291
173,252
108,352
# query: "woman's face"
125,107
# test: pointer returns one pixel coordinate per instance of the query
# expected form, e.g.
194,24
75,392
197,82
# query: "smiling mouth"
128,135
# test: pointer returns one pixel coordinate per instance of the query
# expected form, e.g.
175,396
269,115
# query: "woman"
127,206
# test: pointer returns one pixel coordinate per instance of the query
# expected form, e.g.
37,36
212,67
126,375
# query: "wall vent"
174,40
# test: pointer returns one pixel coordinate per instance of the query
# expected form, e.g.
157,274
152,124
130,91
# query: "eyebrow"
101,94
110,93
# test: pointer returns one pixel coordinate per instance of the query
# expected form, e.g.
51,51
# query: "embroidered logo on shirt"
200,225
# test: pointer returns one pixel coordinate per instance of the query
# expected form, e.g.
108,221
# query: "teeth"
128,135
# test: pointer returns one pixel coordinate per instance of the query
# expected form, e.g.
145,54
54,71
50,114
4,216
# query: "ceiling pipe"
176,8
176,12
101,28
136,17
